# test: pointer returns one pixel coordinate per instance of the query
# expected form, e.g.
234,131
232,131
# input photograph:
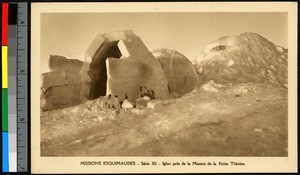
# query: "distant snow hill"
248,57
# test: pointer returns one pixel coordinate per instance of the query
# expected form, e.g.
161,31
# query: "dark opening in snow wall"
98,71
94,71
219,48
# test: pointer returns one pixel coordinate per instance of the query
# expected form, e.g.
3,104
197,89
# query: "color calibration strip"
12,90
9,87
5,154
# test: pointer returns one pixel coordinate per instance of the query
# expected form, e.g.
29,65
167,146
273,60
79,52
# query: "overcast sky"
69,34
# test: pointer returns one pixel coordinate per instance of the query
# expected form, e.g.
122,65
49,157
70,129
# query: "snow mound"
248,57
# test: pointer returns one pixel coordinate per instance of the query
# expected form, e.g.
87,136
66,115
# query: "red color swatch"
4,23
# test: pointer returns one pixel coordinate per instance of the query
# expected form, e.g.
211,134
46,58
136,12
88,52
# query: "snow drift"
247,57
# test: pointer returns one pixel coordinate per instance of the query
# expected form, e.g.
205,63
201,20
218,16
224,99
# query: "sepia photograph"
163,84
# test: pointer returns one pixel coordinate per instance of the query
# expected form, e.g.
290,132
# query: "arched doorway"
98,71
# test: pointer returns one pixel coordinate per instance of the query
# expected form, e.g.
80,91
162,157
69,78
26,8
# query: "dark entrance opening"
98,71
219,48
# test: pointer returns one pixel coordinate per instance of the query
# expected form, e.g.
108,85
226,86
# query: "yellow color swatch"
4,67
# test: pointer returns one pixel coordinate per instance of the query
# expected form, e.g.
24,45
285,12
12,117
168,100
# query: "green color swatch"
4,110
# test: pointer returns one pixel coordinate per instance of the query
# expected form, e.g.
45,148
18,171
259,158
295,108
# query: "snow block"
85,91
141,103
60,63
94,46
60,78
134,79
58,97
130,45
181,75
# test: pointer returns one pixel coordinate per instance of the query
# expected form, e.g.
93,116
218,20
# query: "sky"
69,34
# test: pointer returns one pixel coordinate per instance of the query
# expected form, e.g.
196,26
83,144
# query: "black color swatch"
12,14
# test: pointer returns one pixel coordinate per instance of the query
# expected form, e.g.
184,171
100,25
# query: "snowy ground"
238,120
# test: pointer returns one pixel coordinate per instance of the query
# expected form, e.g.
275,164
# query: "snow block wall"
120,64
61,86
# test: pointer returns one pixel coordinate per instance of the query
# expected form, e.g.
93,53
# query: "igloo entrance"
119,63
98,70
